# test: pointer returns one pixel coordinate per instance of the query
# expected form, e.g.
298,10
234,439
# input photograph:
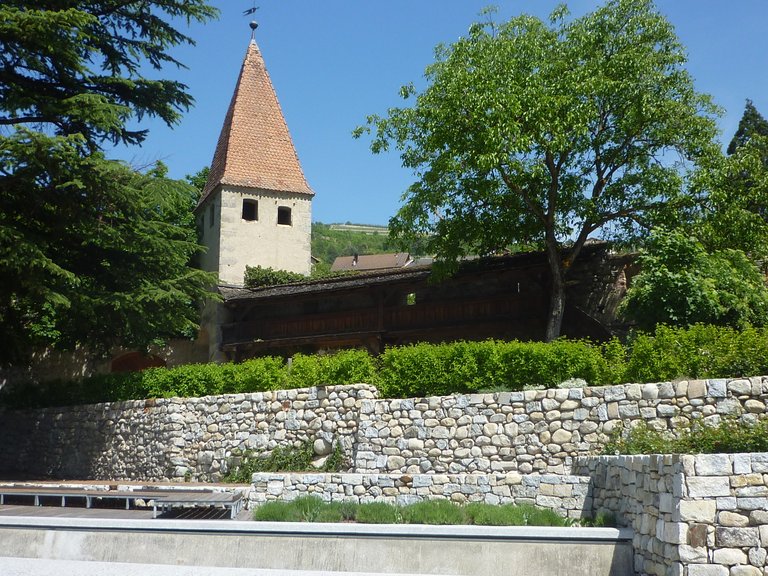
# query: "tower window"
210,216
250,210
284,215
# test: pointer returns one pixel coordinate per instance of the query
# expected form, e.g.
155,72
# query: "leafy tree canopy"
547,132
91,251
733,200
682,284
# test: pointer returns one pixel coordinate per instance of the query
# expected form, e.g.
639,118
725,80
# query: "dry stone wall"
177,438
567,495
536,431
694,515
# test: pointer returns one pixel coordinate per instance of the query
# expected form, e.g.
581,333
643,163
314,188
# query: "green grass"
436,512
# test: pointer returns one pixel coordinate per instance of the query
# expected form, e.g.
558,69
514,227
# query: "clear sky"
335,62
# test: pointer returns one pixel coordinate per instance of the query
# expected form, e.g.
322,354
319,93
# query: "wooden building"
503,297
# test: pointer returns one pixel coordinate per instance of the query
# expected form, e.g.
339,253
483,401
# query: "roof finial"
253,24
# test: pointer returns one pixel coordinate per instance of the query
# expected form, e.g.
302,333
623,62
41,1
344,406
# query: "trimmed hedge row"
432,370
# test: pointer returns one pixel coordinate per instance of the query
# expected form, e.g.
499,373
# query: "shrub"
296,458
727,437
257,277
343,367
435,512
378,513
681,284
513,515
461,367
701,351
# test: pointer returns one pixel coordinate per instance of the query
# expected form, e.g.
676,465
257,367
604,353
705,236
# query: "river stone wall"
176,439
536,431
694,515
567,495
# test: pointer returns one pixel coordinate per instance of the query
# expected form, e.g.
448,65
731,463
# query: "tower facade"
256,207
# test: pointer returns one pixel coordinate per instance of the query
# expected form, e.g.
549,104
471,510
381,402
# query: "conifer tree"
91,251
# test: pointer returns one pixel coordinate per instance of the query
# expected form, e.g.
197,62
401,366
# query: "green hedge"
428,370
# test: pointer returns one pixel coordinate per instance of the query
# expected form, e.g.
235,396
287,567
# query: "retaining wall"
693,515
567,495
539,431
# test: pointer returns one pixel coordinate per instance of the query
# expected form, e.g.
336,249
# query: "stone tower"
256,208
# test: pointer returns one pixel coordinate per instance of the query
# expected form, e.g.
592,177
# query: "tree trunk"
556,294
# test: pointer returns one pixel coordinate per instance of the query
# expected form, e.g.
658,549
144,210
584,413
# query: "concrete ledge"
305,529
316,548
35,567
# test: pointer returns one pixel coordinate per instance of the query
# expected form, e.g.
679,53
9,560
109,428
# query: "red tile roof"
255,149
372,262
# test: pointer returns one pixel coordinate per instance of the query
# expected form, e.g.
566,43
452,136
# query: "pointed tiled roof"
255,149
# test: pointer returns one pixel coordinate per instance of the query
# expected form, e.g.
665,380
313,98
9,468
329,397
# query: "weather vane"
253,23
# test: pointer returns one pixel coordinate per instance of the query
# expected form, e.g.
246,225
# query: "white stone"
708,486
713,465
707,570
729,556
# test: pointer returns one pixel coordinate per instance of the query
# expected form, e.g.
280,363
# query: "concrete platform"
314,548
34,567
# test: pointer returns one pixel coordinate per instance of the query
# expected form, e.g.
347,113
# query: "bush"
434,512
378,513
343,367
258,277
296,458
730,436
701,351
682,284
419,370
463,367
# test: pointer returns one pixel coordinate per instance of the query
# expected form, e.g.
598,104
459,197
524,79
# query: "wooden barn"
502,297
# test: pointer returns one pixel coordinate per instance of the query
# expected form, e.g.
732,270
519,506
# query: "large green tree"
548,132
91,251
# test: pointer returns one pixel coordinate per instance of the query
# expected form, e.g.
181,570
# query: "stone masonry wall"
567,495
693,515
174,439
536,431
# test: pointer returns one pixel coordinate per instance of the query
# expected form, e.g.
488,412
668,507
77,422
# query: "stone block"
737,537
745,571
697,389
692,554
717,388
675,532
714,465
698,511
729,556
732,519
757,556
697,535
760,462
758,517
707,570
752,503
709,486
729,407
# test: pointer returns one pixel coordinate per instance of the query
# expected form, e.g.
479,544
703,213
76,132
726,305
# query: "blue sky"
335,62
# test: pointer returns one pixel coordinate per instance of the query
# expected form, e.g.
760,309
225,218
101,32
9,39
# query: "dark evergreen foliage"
91,251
